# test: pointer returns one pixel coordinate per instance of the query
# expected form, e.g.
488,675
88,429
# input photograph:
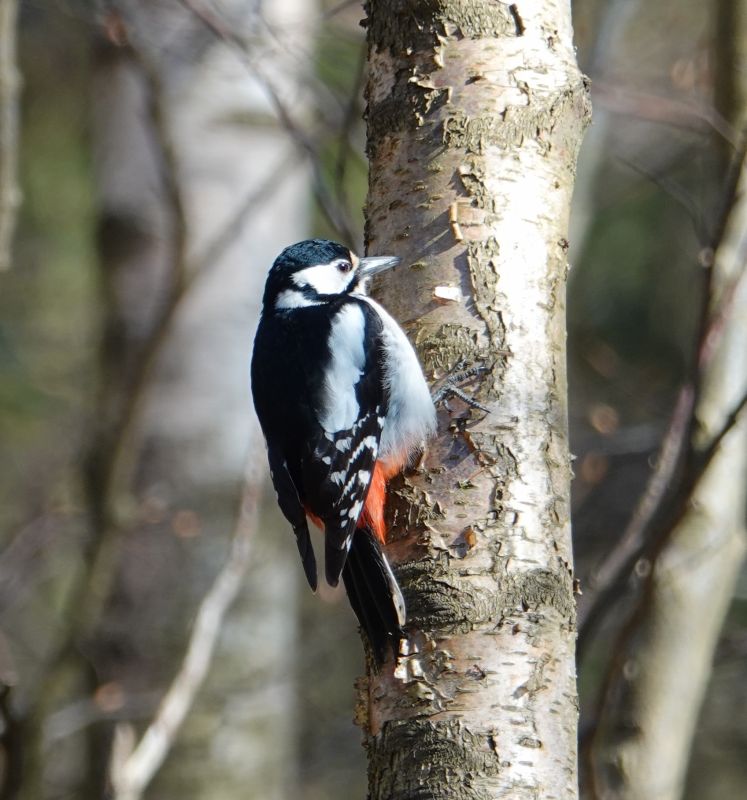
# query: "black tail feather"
306,551
374,594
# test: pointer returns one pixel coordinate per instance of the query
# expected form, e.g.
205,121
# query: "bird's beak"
371,265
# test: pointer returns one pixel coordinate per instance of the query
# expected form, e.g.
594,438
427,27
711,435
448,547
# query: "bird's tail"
374,594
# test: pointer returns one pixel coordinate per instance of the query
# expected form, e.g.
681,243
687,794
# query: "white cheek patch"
323,278
340,409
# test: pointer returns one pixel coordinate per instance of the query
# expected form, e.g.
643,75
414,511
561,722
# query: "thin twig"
132,773
604,582
678,193
21,556
81,713
10,193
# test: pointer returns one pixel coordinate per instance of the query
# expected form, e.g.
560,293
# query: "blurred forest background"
167,151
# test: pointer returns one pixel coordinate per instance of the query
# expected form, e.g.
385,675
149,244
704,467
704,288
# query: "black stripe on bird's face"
317,271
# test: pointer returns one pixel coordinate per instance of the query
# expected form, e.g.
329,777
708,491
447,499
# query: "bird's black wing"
341,468
339,465
279,388
290,505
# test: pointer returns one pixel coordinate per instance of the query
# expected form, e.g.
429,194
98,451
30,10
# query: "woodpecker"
343,406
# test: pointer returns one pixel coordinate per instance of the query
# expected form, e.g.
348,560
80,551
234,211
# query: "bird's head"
317,271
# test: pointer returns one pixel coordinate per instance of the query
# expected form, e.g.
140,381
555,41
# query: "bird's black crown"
307,253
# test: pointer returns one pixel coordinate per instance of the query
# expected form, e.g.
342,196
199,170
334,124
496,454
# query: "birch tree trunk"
234,193
475,114
693,582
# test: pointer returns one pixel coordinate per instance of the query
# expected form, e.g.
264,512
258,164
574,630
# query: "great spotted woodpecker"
343,406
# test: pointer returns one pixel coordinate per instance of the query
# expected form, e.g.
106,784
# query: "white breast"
340,407
411,417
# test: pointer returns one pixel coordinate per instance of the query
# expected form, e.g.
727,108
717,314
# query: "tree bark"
475,114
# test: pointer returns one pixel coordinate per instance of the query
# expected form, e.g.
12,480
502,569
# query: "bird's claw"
450,387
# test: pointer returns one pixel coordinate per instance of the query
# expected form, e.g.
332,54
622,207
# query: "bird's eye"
344,266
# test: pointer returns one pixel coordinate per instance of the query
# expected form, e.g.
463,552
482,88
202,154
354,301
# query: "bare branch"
652,531
86,711
10,193
605,581
131,773
22,555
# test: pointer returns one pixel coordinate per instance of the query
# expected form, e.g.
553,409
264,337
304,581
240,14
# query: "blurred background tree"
167,151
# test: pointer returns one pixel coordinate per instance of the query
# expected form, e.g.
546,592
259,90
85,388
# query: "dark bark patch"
539,590
404,109
442,348
546,122
439,601
497,454
404,27
518,21
422,760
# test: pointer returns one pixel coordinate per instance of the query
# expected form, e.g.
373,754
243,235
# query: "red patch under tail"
373,511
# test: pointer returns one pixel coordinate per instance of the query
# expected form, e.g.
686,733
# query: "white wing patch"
352,466
369,442
339,406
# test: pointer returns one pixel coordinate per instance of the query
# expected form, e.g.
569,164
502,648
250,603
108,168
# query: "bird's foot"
450,386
